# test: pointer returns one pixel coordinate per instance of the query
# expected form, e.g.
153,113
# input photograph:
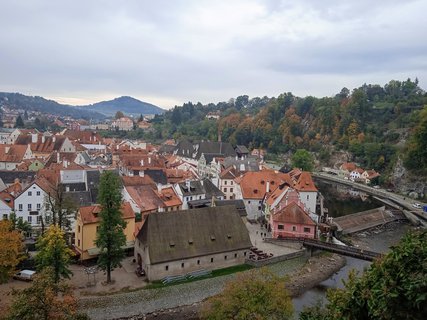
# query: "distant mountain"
128,105
30,103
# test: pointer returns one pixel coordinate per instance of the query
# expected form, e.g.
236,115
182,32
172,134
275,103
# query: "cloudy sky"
170,52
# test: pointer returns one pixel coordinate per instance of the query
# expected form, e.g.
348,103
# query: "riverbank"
314,271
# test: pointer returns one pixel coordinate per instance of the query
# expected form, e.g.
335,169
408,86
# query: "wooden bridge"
335,248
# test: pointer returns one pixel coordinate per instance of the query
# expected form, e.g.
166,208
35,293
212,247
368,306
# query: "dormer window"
171,244
212,238
190,241
228,236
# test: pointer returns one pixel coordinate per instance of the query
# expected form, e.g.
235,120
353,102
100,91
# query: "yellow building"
87,224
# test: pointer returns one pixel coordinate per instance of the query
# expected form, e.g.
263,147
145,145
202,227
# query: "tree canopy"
110,237
303,160
394,287
54,253
119,115
256,294
10,250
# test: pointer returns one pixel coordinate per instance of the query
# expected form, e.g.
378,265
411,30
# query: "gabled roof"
239,204
138,181
305,183
90,214
348,166
254,185
293,213
7,199
12,153
211,190
184,234
145,197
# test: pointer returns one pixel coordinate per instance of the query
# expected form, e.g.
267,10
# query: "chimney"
90,138
149,160
6,149
43,139
57,157
65,163
267,187
34,137
187,183
94,138
53,139
142,162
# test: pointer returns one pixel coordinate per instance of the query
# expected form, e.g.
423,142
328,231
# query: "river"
341,200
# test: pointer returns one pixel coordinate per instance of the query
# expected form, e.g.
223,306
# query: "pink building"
292,221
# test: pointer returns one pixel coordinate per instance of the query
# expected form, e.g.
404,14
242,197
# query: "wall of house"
73,176
184,266
253,208
292,230
310,199
228,187
5,210
8,165
85,238
67,146
34,196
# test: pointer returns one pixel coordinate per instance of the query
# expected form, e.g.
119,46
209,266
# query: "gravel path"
146,301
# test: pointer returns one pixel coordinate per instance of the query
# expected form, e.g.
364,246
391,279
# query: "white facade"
228,187
67,146
30,205
309,199
73,176
5,210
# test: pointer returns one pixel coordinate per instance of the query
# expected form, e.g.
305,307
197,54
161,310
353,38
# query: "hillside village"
187,205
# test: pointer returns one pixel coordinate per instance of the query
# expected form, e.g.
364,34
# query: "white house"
30,204
6,206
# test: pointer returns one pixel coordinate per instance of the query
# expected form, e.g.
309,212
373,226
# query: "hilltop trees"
110,238
119,115
416,158
258,294
10,250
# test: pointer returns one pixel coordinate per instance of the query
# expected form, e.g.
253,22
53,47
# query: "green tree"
303,159
54,253
44,300
19,223
110,238
119,115
19,122
258,294
10,250
416,158
394,287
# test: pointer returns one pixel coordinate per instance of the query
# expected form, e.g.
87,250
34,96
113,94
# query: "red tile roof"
294,214
305,183
12,153
254,184
90,214
348,166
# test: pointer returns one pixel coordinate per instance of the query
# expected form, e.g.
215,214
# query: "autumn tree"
394,287
44,300
303,160
110,237
54,253
257,294
10,250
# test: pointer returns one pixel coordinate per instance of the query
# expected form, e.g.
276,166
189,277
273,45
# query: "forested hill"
373,122
30,103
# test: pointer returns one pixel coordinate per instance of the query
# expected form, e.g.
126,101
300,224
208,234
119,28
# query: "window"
235,255
225,189
259,208
211,259
29,207
79,229
307,230
30,193
294,228
97,228
38,206
198,261
231,182
20,207
225,182
166,268
308,197
249,202
4,216
225,257
78,242
182,265
39,219
38,193
30,219
231,189
244,253
281,227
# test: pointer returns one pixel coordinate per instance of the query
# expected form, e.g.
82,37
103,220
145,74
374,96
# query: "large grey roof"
211,190
238,203
184,234
196,149
9,177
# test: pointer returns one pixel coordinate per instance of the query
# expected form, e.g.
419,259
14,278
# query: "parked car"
24,275
416,205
